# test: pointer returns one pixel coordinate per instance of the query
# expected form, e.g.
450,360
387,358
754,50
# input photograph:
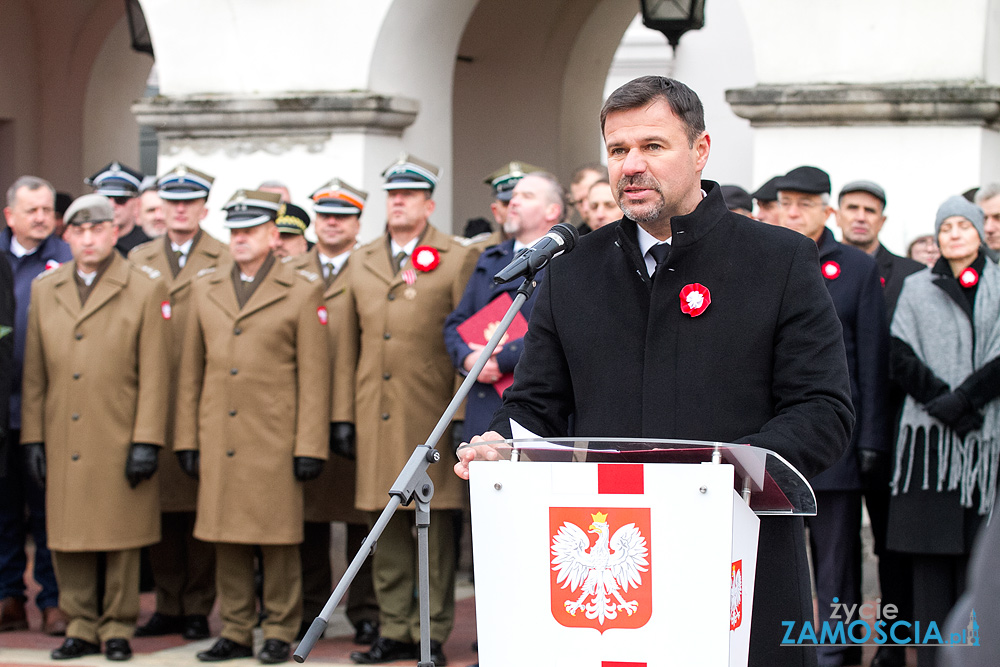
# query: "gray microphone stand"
414,483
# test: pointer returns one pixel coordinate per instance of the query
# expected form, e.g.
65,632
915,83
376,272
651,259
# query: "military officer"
121,185
183,567
253,403
330,497
400,289
502,182
292,225
95,382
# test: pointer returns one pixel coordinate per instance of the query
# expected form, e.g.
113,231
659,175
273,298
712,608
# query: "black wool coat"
764,365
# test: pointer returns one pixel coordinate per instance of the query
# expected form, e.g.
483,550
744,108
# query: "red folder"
480,328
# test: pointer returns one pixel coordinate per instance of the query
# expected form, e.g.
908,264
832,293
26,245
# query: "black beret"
810,180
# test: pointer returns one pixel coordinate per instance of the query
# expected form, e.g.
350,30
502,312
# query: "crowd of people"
221,404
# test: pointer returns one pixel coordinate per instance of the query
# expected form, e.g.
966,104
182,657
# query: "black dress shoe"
437,654
195,627
386,650
274,651
365,633
75,648
160,624
225,649
117,649
889,656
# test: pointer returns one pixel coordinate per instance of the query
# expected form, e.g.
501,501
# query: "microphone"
561,238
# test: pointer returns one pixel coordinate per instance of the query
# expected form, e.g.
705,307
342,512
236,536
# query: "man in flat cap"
330,497
183,566
738,200
852,279
121,184
29,244
252,423
766,197
95,381
860,216
292,223
400,289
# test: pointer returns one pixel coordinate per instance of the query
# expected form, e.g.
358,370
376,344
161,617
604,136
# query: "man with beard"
761,362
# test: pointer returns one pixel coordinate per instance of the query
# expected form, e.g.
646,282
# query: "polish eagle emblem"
607,573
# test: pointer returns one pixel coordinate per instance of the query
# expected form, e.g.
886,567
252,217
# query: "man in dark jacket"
30,248
860,216
852,278
760,360
6,354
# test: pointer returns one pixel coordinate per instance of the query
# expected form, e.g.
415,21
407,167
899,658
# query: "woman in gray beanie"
946,355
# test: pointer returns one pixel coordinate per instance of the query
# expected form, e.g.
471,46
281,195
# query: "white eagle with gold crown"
604,571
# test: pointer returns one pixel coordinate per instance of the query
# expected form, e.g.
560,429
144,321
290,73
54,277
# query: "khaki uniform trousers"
183,568
395,575
234,580
317,575
76,573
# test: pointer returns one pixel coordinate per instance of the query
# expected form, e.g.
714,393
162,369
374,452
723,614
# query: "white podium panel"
611,564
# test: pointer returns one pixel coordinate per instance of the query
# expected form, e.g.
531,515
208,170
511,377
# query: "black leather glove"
307,468
457,430
189,460
950,408
342,439
968,422
34,461
873,466
141,462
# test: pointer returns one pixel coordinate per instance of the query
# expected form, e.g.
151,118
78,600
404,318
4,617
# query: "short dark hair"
683,101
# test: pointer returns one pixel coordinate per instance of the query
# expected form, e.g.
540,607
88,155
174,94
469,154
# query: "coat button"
233,371
237,331
392,297
232,413
231,452
481,394
79,336
386,376
75,457
75,417
76,376
385,416
387,335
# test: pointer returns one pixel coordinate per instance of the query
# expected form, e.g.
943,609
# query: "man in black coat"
6,354
852,278
860,216
760,360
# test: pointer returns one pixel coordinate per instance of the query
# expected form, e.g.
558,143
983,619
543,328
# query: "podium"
622,553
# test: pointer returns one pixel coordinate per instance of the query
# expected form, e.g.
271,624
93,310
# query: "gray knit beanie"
959,205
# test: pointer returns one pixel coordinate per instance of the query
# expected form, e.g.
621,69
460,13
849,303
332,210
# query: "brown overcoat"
253,392
404,378
95,381
178,491
330,497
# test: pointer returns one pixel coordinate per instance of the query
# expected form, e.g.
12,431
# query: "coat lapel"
113,281
66,292
376,262
221,290
274,288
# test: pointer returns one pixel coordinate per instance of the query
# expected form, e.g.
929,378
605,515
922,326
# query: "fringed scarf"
938,330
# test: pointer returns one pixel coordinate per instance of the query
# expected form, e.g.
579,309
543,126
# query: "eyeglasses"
121,201
804,204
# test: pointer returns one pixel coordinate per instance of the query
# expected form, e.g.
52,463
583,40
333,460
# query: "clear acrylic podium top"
770,484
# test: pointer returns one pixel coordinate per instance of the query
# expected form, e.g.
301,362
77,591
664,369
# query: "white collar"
19,250
408,248
184,247
647,240
338,261
87,278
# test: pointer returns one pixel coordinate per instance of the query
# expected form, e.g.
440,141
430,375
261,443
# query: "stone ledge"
225,116
923,103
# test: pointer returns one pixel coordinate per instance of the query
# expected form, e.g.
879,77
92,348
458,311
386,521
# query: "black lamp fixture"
137,28
673,17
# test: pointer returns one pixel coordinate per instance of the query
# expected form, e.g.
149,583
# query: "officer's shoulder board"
206,271
308,275
478,238
150,271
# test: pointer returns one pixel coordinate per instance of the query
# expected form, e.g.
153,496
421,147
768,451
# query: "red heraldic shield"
736,596
601,574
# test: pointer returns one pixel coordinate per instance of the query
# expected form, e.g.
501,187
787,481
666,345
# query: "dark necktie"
659,252
330,272
398,260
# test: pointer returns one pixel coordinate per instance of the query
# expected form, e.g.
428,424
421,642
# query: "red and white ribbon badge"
165,310
322,315
695,298
831,270
51,264
409,276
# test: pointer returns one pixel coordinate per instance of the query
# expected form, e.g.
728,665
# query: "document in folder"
480,328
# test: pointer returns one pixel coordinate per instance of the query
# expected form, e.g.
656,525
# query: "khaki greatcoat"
404,379
178,491
330,497
95,381
253,392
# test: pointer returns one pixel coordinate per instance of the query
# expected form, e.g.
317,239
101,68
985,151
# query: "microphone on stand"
561,238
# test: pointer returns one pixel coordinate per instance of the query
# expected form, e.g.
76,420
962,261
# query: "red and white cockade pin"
968,278
425,258
165,310
323,315
831,270
695,298
51,264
